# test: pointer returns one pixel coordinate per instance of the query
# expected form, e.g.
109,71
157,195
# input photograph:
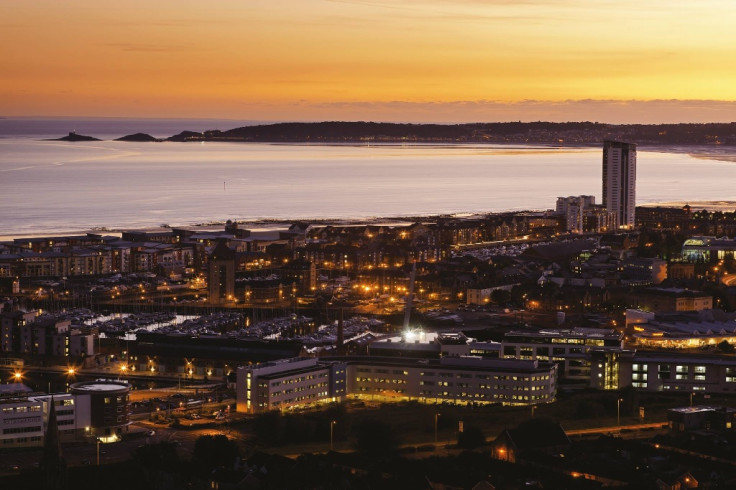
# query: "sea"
54,187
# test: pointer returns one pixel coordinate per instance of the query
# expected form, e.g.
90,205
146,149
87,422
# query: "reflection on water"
51,187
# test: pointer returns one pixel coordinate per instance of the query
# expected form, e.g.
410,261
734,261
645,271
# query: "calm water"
51,187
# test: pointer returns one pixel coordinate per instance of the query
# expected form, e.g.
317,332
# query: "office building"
619,181
93,410
299,382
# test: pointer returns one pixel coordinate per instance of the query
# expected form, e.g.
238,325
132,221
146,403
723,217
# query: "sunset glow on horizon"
416,60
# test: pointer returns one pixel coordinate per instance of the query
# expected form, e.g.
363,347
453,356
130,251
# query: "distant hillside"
571,133
72,136
138,137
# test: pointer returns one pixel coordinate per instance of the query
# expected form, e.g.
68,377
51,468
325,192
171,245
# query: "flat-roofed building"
461,380
290,383
701,418
21,422
708,249
682,332
673,299
287,383
570,348
24,418
678,372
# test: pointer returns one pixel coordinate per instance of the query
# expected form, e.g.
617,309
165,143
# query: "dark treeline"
569,133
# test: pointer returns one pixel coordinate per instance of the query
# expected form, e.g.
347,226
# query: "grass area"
414,422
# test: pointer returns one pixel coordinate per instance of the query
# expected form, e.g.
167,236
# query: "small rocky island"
139,138
73,136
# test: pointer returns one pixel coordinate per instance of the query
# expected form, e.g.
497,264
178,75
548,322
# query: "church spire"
53,464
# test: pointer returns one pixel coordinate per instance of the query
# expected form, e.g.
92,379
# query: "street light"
618,411
332,430
436,416
70,373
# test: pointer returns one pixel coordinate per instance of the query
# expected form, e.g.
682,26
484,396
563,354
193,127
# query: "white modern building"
619,181
289,383
675,372
569,348
94,409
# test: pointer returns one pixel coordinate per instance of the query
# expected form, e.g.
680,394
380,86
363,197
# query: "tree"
215,451
376,439
726,347
471,438
500,296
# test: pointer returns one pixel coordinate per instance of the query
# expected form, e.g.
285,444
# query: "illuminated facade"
92,409
568,348
673,372
708,249
686,330
296,382
288,383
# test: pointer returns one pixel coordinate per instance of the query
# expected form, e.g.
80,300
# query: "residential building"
673,299
619,181
221,278
573,209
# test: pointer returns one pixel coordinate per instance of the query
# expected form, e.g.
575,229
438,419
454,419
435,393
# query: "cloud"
607,111
152,48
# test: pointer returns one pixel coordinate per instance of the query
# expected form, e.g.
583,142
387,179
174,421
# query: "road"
729,279
617,429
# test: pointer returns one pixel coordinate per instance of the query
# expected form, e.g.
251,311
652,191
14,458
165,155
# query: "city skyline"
419,61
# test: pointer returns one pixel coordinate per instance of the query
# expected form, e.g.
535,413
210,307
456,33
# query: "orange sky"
411,60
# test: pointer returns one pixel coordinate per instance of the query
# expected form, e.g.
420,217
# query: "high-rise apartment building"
619,181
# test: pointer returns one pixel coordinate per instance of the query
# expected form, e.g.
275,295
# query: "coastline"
720,205
273,224
265,224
